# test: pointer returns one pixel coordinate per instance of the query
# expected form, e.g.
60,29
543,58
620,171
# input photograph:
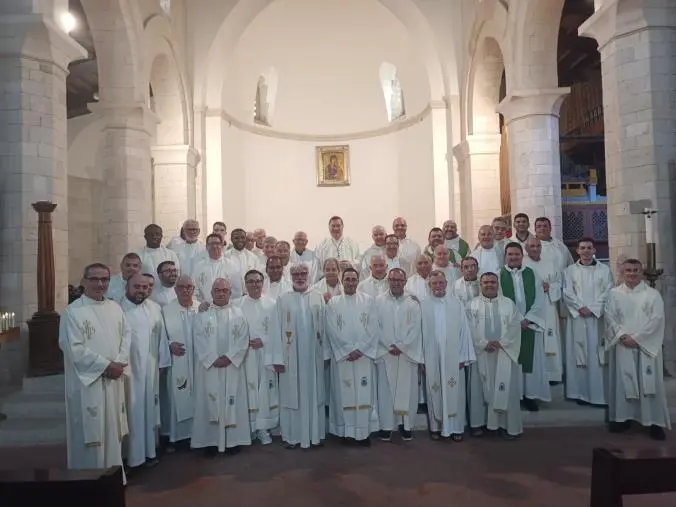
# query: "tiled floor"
548,467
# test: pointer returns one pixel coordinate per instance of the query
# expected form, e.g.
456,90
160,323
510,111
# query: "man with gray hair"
378,234
188,247
300,253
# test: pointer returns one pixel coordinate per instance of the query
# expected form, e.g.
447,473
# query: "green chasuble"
527,335
463,250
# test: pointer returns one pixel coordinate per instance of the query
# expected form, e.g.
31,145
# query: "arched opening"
581,129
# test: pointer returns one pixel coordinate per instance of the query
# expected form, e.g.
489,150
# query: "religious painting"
333,166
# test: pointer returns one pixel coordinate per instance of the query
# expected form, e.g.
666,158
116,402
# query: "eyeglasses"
253,282
186,287
95,279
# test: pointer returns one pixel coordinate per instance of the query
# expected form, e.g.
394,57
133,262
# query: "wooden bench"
630,472
72,488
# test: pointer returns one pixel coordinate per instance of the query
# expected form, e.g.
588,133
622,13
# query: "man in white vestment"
467,286
409,250
554,250
130,265
434,239
221,336
585,292
393,256
270,246
635,317
520,284
418,284
400,352
275,284
490,256
154,253
337,245
264,359
447,349
240,257
376,284
217,265
148,353
500,228
442,262
378,248
458,248
300,253
259,236
179,317
352,330
95,340
189,249
283,251
329,285
167,273
521,228
301,384
496,330
548,270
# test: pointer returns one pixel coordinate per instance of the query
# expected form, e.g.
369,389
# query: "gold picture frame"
333,166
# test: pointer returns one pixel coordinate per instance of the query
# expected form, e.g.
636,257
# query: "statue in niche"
397,100
261,105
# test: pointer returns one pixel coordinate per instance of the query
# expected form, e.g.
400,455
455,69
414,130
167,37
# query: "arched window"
266,93
392,92
166,6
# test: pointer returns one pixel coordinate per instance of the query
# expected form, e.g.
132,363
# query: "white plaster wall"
329,93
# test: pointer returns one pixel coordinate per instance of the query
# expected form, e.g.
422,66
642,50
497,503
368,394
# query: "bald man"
408,249
378,234
488,255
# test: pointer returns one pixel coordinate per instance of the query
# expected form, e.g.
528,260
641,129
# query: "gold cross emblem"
88,330
209,329
347,382
436,387
266,324
452,382
340,322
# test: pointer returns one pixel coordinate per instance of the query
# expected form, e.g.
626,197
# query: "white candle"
4,319
649,229
12,321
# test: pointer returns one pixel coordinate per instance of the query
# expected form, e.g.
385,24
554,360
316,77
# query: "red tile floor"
547,467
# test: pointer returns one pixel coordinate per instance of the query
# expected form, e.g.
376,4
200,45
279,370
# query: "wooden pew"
630,472
72,488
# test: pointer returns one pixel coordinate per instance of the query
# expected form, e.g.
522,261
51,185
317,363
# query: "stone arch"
116,30
212,78
483,88
534,31
164,73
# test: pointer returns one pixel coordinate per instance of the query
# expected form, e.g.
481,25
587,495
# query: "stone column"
479,162
174,189
33,148
532,120
637,42
127,196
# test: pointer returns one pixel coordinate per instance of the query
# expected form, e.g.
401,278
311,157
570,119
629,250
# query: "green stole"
527,335
463,250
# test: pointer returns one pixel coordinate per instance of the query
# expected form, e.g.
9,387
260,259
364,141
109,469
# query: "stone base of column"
44,355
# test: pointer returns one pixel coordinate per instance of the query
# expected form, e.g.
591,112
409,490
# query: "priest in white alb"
189,248
443,263
636,392
275,284
489,254
496,331
352,329
393,255
130,265
466,287
519,283
179,317
378,234
217,265
547,270
221,335
301,254
264,360
148,353
329,285
418,284
95,340
400,353
154,253
337,245
376,284
585,293
447,349
301,385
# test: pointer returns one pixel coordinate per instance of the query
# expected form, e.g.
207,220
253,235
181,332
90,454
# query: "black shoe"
211,452
657,433
287,445
151,462
477,432
231,451
582,403
366,442
530,405
506,436
422,408
619,427
406,435
385,436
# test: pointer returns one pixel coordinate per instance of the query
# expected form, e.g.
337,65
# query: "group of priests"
218,345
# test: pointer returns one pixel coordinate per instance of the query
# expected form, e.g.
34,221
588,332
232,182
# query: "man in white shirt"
300,253
243,259
434,239
154,253
188,248
458,247
393,256
409,250
490,257
95,340
217,265
275,284
376,284
378,248
443,263
553,250
521,226
467,286
337,245
130,265
167,275
418,284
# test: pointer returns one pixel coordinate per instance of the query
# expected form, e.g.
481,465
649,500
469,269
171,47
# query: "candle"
12,321
3,326
649,229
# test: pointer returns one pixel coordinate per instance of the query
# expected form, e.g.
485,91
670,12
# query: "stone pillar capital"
181,154
134,116
524,103
617,18
37,37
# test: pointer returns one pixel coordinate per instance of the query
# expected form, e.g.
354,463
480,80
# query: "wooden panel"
505,198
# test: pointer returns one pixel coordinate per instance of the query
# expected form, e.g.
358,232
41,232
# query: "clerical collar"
189,307
299,253
94,301
395,297
592,263
525,237
217,307
513,270
151,248
489,300
473,280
